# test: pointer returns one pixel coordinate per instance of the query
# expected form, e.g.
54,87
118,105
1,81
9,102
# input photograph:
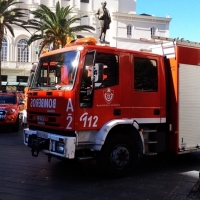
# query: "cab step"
85,158
146,141
149,131
150,153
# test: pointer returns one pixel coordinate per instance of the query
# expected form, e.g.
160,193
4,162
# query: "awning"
14,83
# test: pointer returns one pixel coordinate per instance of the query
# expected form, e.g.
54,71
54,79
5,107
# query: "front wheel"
117,156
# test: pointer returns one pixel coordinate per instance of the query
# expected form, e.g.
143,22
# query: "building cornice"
141,18
126,38
136,40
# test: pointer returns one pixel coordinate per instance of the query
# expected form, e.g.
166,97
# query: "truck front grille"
47,119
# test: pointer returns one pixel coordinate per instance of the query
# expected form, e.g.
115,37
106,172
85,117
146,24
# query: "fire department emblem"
108,95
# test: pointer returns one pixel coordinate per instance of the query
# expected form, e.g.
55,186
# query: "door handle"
156,112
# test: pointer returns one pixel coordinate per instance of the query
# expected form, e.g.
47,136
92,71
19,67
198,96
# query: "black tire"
117,156
15,126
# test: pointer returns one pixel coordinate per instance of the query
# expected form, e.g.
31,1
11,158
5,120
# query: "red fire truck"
111,104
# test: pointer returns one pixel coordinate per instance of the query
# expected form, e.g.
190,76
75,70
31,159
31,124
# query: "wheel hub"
120,156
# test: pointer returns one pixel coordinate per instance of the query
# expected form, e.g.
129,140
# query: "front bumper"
8,120
53,144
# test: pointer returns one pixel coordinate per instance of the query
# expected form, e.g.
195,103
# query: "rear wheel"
117,156
15,127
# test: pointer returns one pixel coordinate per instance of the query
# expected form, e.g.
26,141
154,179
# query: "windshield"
7,99
57,70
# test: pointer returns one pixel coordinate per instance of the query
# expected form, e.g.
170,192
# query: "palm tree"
10,16
55,27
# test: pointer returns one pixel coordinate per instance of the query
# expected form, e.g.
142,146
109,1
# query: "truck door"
148,102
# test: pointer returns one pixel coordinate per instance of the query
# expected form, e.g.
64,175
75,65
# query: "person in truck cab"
87,74
86,82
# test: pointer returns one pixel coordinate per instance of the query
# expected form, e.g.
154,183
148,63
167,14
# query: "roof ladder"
162,46
178,41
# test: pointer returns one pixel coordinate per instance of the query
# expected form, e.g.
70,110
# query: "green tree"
55,27
10,16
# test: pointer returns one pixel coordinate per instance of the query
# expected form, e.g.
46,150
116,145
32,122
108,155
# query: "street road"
23,177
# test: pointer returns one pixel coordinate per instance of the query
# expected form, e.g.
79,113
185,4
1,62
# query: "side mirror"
97,73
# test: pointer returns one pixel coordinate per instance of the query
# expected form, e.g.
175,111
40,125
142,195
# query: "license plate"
41,118
2,116
42,135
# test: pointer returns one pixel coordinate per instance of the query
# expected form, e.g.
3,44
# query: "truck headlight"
11,111
59,147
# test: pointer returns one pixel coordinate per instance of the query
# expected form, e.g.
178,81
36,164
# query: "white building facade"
125,31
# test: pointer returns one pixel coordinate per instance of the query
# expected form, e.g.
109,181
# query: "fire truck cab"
93,101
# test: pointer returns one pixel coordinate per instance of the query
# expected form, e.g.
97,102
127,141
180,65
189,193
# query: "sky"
185,14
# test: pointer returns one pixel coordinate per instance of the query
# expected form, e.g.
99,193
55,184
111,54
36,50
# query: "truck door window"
145,75
110,69
110,75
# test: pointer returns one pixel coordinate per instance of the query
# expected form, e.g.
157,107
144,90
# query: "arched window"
23,52
4,50
153,31
129,30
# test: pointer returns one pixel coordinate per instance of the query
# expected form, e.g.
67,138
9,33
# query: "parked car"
10,106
